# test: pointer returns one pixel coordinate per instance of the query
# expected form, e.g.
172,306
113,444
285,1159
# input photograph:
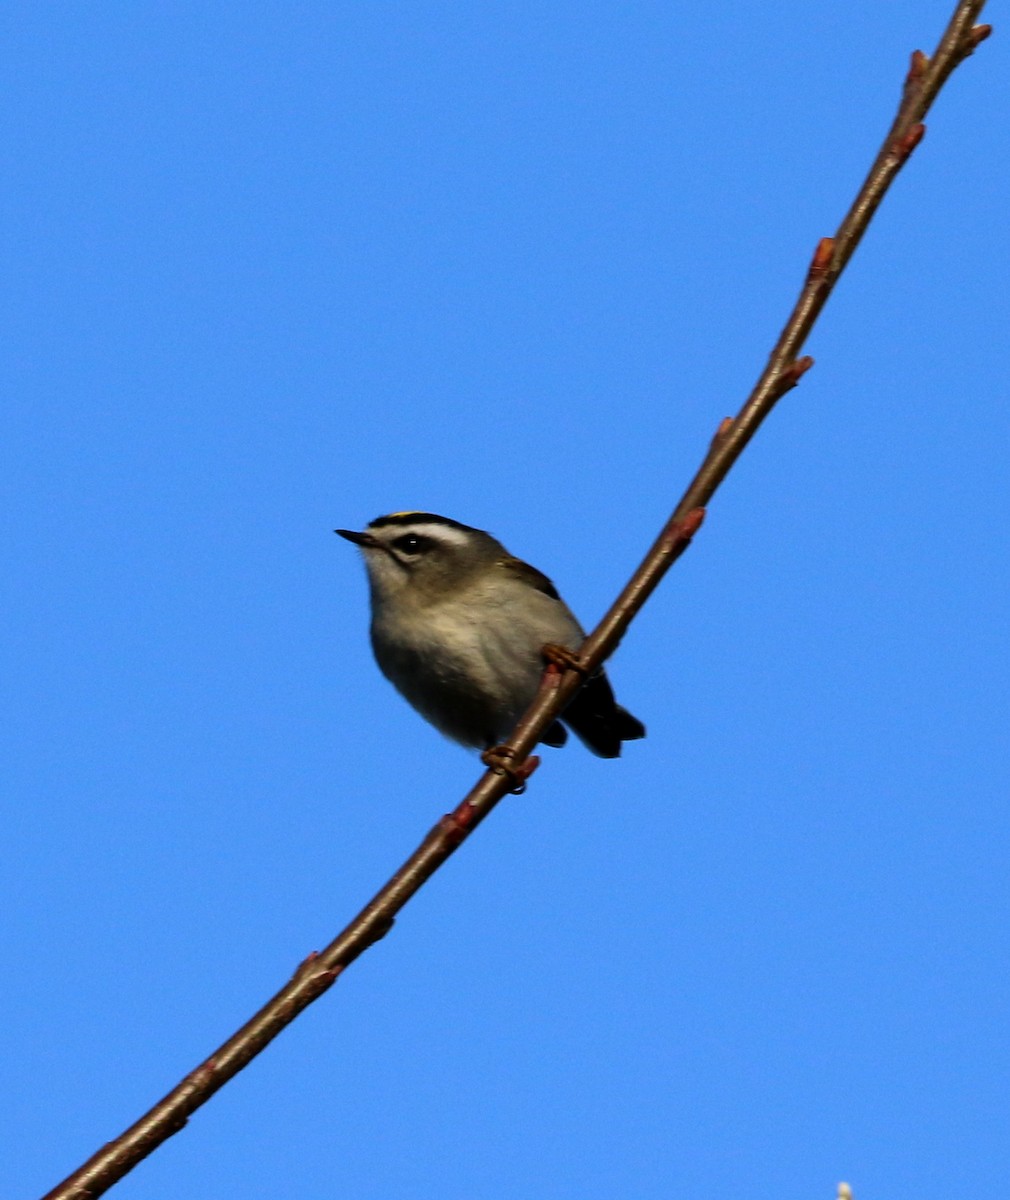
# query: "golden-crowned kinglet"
459,626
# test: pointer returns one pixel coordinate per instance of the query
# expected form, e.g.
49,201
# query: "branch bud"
792,374
725,425
917,67
821,262
903,147
978,35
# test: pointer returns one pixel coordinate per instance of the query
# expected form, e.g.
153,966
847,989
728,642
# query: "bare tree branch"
922,85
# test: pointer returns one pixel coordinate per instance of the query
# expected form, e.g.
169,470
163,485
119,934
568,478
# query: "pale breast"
472,664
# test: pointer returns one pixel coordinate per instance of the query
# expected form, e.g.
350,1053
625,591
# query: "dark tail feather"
598,721
555,734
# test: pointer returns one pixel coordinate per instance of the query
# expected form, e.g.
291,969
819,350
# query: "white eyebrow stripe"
438,533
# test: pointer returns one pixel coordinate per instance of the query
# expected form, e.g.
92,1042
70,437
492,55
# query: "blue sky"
270,269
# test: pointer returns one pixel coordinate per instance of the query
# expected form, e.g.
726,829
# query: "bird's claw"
498,759
563,658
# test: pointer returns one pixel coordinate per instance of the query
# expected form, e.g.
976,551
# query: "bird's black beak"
359,539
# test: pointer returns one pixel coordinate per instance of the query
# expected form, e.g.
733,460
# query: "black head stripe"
419,518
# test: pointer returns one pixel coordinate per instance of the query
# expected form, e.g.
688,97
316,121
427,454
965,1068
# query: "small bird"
459,628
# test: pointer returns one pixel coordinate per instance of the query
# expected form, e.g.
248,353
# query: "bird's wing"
529,575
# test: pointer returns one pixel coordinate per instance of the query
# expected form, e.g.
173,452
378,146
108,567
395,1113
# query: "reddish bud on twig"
915,78
978,35
792,374
904,146
725,425
687,527
821,261
321,978
306,964
917,68
456,825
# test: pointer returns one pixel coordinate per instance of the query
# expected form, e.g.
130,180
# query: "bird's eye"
412,543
